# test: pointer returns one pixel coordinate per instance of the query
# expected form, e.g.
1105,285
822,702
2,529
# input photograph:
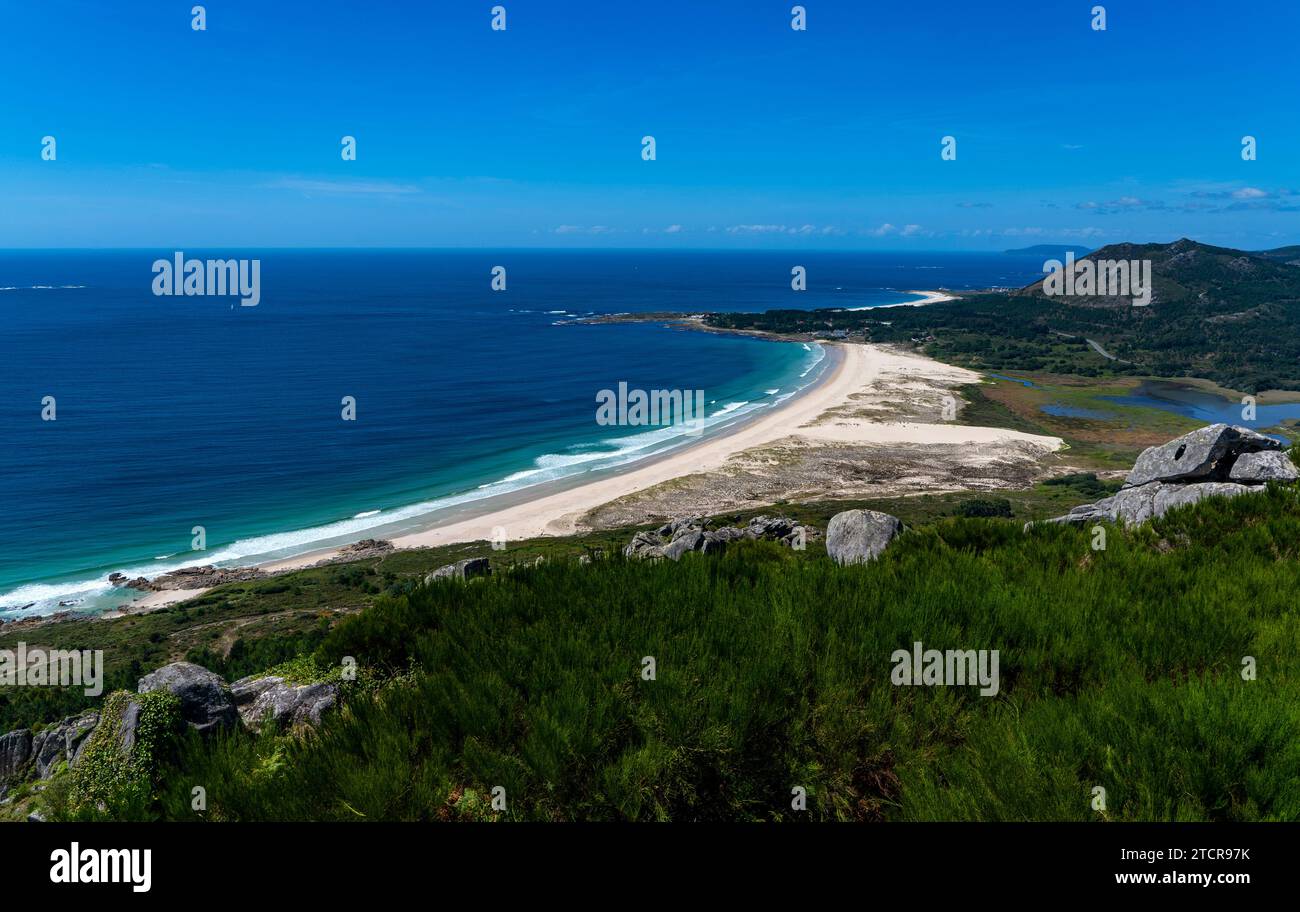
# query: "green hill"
1224,315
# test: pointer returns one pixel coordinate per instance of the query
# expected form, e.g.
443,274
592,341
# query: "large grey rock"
1204,454
1130,506
15,751
273,699
684,541
62,741
644,546
1134,506
127,727
205,700
858,536
1270,465
463,570
1171,496
676,527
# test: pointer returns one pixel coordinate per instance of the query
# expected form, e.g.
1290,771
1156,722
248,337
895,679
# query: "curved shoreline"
417,518
838,407
553,507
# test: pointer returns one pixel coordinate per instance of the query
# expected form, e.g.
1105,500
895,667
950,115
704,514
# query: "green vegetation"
1119,668
1085,484
116,779
984,507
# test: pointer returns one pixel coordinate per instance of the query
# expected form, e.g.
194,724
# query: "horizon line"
562,249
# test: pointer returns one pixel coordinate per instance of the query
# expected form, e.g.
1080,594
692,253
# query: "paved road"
1101,351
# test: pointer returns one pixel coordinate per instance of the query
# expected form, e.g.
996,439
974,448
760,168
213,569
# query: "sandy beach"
930,297
810,417
882,407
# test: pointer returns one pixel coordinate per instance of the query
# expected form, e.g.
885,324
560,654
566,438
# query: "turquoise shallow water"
177,412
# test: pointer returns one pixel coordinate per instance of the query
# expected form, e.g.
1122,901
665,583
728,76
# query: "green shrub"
985,507
117,780
1118,668
1085,484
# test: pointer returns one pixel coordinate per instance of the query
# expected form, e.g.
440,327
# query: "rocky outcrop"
462,570
1214,461
858,536
693,533
62,741
272,699
1171,496
1133,506
1256,468
15,751
645,546
366,546
43,751
206,703
688,540
190,578
1207,454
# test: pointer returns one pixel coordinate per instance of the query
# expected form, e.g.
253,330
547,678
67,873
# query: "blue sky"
766,137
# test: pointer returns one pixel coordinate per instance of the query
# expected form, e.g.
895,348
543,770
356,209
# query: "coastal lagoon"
1205,406
182,412
1175,398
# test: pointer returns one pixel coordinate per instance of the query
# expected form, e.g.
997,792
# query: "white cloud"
888,229
796,230
756,229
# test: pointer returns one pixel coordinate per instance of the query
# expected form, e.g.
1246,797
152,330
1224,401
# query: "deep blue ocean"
175,412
